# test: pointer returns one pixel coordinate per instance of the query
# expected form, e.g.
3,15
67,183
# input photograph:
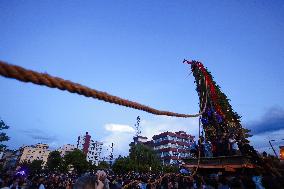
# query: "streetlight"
272,146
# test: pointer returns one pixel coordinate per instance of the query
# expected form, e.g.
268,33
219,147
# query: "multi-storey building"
65,149
172,147
94,152
92,149
38,152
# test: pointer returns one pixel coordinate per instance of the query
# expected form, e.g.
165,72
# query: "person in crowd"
201,146
233,145
223,183
14,183
208,149
208,183
214,148
143,183
257,179
41,183
247,182
89,182
5,183
193,149
197,182
220,146
102,176
226,144
235,183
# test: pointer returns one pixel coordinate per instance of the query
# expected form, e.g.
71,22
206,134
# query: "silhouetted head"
88,182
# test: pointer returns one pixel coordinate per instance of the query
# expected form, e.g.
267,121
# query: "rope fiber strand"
25,75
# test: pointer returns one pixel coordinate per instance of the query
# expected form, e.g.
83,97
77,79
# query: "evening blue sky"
134,49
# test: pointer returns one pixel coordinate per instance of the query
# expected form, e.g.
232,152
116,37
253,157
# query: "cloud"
272,120
261,141
39,135
122,136
121,142
161,124
119,128
269,127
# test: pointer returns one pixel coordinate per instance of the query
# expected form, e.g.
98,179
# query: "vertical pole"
273,149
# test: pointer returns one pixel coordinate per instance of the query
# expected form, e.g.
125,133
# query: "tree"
264,154
32,168
77,159
1,168
144,157
3,136
93,167
123,165
54,161
103,165
36,166
141,159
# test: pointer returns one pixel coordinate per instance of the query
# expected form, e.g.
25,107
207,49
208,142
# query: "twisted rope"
25,75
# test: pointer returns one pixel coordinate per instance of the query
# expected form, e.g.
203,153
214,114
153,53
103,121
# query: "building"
95,152
83,142
65,149
92,149
138,140
38,152
172,147
109,157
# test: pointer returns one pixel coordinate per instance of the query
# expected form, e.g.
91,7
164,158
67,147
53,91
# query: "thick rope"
24,75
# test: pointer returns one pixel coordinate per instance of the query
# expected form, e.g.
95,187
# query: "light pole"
272,147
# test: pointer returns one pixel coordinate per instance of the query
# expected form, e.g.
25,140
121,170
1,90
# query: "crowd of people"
209,181
108,180
42,181
226,145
